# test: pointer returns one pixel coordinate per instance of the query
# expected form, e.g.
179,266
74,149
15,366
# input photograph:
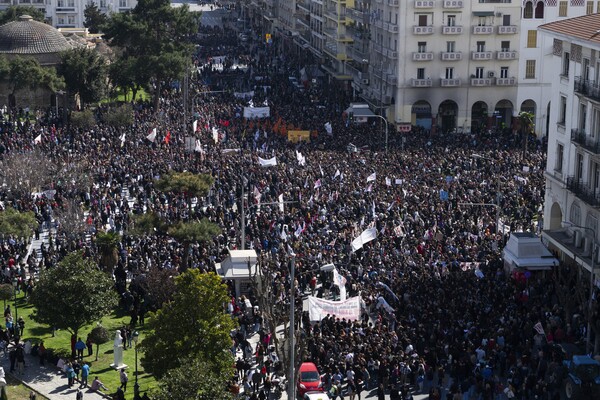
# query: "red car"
309,379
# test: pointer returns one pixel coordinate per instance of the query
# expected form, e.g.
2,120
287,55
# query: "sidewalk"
47,380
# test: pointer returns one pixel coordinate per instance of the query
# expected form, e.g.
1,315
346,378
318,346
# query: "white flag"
321,169
365,237
328,128
38,139
215,134
337,173
388,182
300,158
372,177
340,282
317,184
152,135
267,163
195,125
280,202
539,328
198,148
122,140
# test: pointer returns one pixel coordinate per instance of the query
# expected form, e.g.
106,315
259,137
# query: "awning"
483,13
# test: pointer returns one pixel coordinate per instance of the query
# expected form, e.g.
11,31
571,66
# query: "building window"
420,73
481,21
532,38
479,72
451,20
480,47
505,45
589,7
450,47
562,9
530,69
575,214
585,69
579,167
449,73
591,221
565,66
422,20
122,3
598,6
582,116
422,46
558,165
539,9
504,72
563,110
528,12
506,20
595,123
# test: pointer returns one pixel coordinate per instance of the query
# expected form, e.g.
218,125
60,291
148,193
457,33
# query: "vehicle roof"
584,360
316,396
308,366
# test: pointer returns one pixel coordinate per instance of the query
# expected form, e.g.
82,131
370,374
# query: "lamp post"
136,387
386,130
588,331
15,283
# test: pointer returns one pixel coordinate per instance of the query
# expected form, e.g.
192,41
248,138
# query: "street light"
15,283
136,387
386,130
588,331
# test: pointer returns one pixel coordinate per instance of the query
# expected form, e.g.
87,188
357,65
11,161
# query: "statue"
118,352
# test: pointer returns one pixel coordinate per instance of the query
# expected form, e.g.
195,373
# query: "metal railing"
583,191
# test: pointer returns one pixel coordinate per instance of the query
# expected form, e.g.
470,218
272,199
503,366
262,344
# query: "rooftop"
27,36
585,27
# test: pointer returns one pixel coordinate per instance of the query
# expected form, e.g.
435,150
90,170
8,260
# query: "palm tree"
526,121
108,246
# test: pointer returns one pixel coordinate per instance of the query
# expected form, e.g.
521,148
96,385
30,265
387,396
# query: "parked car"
316,396
583,378
309,379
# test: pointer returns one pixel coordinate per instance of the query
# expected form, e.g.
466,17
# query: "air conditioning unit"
498,14
365,81
491,74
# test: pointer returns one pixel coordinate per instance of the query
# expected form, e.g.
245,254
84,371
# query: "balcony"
359,15
583,191
428,56
393,28
391,79
379,49
420,82
333,14
305,22
451,56
481,81
483,30
506,81
506,55
420,4
449,82
481,55
452,4
423,30
587,88
452,30
580,138
507,29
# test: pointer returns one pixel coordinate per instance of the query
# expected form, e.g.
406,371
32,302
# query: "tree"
193,324
83,119
526,121
85,73
17,224
187,233
99,335
157,35
108,247
120,116
22,175
73,294
7,291
13,13
94,18
194,380
27,73
185,183
71,218
128,74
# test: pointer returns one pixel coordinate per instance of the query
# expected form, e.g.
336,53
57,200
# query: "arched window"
528,13
575,214
539,9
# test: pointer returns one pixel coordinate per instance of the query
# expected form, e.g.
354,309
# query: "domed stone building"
29,38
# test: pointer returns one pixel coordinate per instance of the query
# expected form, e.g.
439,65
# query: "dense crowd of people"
442,314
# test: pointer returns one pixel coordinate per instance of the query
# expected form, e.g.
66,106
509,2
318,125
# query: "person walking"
124,379
85,372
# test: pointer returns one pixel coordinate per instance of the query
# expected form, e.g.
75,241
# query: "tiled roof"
586,27
27,36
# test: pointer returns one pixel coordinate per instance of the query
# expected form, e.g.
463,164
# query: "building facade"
69,13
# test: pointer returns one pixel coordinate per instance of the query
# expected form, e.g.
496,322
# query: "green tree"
128,74
17,224
195,380
94,18
27,73
185,183
526,121
119,117
4,68
99,335
7,291
85,73
157,35
73,294
83,119
13,13
187,233
194,324
108,246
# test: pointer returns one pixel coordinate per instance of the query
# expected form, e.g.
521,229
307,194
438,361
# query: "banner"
257,112
244,95
365,237
271,162
328,128
297,136
319,308
340,282
371,177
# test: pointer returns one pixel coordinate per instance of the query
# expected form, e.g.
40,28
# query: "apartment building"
69,13
572,195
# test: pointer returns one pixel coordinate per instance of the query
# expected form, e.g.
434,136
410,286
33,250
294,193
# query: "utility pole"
186,85
291,383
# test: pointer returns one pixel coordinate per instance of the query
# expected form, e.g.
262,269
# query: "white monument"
118,352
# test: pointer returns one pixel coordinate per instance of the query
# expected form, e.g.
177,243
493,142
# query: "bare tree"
22,174
71,219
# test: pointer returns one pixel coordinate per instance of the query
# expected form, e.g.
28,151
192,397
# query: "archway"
503,114
421,114
479,116
447,114
556,217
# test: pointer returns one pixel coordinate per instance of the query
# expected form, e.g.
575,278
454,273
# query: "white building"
571,208
69,13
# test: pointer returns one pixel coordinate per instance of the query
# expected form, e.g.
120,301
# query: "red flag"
168,137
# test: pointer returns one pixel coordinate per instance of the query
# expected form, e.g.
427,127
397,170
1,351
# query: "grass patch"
16,390
61,343
123,97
